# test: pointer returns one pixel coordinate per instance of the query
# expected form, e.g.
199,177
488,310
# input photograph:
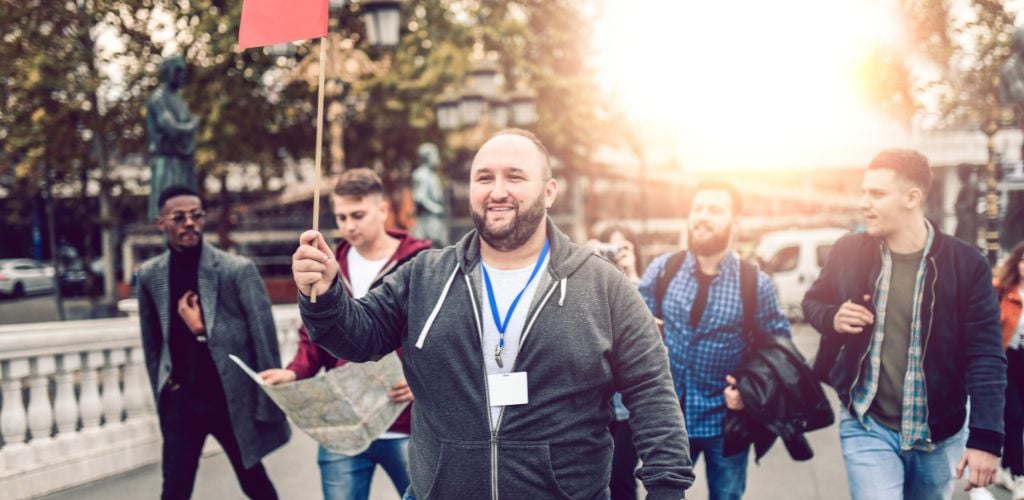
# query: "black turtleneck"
190,359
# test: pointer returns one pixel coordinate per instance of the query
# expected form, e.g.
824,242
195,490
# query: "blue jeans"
348,478
727,476
879,470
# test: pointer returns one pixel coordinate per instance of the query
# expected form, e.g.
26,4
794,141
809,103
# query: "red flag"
267,22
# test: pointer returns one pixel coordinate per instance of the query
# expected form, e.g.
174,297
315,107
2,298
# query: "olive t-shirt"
887,407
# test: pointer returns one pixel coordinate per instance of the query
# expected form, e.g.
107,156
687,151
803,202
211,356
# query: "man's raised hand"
313,264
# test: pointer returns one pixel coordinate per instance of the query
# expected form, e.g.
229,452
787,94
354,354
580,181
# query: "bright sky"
747,83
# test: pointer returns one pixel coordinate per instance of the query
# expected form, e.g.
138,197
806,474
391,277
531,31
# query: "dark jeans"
1013,449
187,415
624,461
727,476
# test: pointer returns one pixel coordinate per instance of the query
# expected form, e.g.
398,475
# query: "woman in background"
1008,284
618,244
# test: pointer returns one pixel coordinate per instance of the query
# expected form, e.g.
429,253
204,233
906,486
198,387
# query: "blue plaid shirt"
701,358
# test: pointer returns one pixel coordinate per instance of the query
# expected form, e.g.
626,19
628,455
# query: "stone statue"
428,195
171,134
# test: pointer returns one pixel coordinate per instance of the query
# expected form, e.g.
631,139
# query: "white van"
793,259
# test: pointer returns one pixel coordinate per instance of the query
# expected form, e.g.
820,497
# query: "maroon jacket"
311,358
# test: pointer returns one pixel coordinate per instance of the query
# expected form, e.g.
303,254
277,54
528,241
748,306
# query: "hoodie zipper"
495,426
487,391
522,338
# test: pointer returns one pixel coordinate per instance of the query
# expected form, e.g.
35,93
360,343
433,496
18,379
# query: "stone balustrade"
77,404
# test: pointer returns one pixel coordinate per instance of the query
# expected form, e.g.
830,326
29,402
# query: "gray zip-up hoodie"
588,334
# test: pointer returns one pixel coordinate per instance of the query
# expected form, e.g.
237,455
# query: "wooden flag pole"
319,146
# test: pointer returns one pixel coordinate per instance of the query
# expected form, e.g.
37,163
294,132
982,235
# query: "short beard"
714,245
518,231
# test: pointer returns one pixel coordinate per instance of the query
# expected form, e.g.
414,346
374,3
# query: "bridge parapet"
77,406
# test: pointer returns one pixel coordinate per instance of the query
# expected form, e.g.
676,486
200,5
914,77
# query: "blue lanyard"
503,325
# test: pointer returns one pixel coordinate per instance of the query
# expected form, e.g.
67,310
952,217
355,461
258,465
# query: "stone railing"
77,404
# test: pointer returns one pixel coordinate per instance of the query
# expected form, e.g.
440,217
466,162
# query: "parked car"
19,277
73,279
794,259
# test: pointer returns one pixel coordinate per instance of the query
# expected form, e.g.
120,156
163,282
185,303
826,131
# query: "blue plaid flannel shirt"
701,358
914,434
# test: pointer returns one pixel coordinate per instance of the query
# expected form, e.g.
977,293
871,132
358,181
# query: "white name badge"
508,389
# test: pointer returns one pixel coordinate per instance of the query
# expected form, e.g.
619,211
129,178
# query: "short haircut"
358,183
536,142
728,187
908,164
175,191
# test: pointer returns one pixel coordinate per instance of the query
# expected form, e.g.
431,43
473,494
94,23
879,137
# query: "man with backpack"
696,293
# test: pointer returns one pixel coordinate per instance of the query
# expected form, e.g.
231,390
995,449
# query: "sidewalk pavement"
294,472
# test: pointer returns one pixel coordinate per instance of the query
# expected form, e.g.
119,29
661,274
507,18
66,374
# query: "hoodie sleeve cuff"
665,493
985,440
325,303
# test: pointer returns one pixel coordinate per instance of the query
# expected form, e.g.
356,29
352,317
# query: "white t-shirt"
362,271
361,274
506,285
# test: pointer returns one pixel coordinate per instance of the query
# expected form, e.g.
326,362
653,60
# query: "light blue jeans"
727,476
878,470
348,478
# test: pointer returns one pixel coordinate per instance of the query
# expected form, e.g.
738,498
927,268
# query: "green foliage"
947,76
56,121
63,112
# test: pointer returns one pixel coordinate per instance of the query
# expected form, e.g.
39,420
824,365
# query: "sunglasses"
178,218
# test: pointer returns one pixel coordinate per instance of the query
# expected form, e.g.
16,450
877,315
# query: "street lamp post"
468,117
990,127
346,65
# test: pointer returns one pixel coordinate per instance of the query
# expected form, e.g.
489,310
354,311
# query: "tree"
953,56
74,104
58,126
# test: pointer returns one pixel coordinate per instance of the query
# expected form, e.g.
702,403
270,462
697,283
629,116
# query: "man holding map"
369,253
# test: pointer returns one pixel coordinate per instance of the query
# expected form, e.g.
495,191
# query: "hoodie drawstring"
561,294
437,309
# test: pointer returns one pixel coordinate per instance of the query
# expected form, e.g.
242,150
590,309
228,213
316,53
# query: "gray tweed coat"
236,312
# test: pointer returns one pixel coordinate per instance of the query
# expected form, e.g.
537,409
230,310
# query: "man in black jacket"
910,330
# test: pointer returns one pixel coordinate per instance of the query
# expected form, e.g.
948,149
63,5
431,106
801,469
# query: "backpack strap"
748,293
672,266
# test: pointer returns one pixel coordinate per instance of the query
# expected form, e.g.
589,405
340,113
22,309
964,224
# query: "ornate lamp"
281,50
499,111
448,112
523,105
483,78
471,108
382,21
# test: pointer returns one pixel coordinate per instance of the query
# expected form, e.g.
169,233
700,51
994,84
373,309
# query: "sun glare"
745,84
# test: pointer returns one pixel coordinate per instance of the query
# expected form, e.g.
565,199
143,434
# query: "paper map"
344,409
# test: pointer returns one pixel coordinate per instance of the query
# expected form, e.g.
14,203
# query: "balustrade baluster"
40,412
13,419
65,407
89,399
111,398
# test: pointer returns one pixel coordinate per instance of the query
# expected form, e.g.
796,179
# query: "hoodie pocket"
462,471
525,471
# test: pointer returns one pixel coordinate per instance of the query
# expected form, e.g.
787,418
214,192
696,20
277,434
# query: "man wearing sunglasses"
197,305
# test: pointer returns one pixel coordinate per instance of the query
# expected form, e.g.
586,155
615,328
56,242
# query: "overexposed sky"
749,83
